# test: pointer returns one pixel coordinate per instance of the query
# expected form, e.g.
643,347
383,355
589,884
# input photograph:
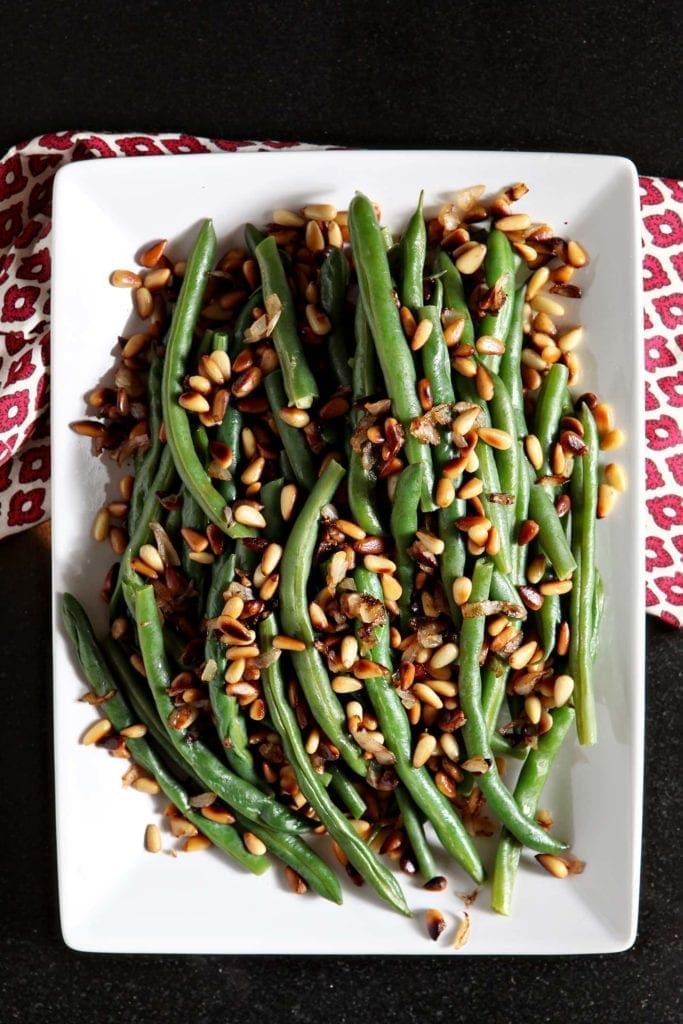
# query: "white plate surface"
114,896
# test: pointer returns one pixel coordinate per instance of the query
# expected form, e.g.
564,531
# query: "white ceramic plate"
114,896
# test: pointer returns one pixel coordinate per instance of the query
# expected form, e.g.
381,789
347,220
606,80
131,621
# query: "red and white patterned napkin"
26,176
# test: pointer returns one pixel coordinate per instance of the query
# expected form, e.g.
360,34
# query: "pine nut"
487,346
248,514
523,655
346,684
426,695
422,335
379,563
606,500
391,588
462,588
514,222
445,493
134,732
192,401
443,656
536,282
495,438
615,476
196,844
554,865
293,417
424,748
576,255
315,240
97,731
465,366
150,555
534,452
320,211
465,421
453,331
555,587
470,258
532,360
562,690
151,256
612,440
219,815
484,383
157,279
317,320
125,279
152,839
568,341
288,219
144,302
335,237
350,529
536,569
471,488
146,785
544,304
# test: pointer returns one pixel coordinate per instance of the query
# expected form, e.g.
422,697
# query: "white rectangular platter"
115,897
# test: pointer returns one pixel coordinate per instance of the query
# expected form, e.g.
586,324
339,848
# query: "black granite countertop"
585,77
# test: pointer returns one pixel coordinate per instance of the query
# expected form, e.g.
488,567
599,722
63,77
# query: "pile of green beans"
359,525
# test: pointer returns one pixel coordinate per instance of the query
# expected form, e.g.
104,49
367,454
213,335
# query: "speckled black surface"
558,77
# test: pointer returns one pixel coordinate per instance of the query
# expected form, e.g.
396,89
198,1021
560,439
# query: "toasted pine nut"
568,341
426,695
288,219
532,447
100,530
152,839
554,865
464,421
465,366
146,785
606,499
487,346
612,440
97,731
523,655
533,708
484,383
471,488
462,588
515,222
536,282
346,684
195,844
422,335
496,438
555,587
391,588
445,493
150,555
562,690
350,529
443,656
470,258
535,569
315,240
125,279
616,476
157,279
192,401
248,514
293,417
379,563
320,211
335,237
453,331
318,321
144,302
533,360
576,255
134,732
544,304
424,748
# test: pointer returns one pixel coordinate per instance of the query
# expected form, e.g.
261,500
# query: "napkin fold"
26,177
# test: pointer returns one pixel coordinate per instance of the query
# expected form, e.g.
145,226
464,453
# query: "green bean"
230,724
244,319
206,345
361,481
437,369
269,496
290,848
392,349
145,473
412,823
346,791
584,492
550,407
454,554
454,297
163,480
191,517
499,270
102,682
293,439
245,798
510,367
530,783
333,281
598,609
176,420
474,730
551,536
403,527
394,725
511,470
295,569
414,251
252,237
300,384
488,471
339,828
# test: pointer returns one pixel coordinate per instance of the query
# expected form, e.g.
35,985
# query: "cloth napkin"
26,176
